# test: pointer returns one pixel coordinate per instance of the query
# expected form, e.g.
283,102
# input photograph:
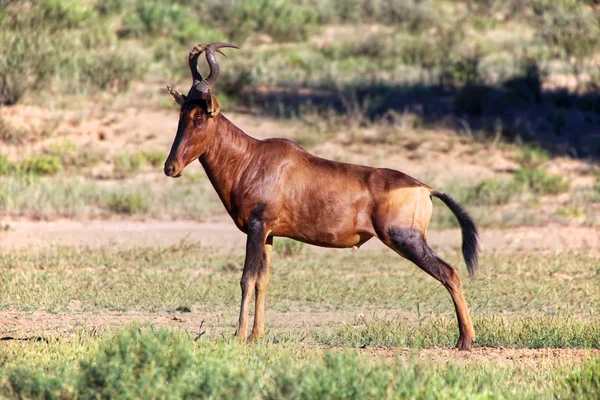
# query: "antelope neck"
226,157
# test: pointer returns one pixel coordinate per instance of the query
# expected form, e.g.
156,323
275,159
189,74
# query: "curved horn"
201,84
196,51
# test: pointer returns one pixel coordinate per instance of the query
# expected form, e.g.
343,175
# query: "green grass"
54,197
140,362
128,164
144,363
491,331
539,182
158,278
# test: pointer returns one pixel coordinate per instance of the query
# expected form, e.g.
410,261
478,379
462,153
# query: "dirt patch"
22,323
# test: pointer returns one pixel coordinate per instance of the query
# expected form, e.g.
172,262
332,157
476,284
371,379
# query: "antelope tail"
470,245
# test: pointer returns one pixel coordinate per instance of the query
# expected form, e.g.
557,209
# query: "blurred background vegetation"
492,71
527,69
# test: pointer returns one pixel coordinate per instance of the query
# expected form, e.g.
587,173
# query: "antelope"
274,188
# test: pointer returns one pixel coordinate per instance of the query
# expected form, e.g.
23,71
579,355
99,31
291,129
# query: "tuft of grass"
128,164
4,164
41,165
154,157
532,157
539,182
129,203
488,192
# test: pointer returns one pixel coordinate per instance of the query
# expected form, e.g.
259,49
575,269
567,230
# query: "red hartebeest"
273,187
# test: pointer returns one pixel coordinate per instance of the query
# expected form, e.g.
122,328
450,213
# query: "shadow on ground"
517,109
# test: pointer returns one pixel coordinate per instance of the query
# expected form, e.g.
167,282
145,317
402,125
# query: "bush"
50,40
106,7
156,17
126,164
539,182
162,364
21,68
110,68
532,157
41,165
154,157
585,383
129,203
283,20
569,27
4,164
488,192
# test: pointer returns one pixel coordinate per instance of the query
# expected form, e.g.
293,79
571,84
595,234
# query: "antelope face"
192,134
198,109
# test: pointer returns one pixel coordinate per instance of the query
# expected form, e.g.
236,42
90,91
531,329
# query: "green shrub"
4,164
283,20
488,192
127,164
145,363
539,182
41,165
110,68
156,17
106,7
532,157
154,157
21,69
35,384
63,14
51,40
571,29
584,383
129,203
139,365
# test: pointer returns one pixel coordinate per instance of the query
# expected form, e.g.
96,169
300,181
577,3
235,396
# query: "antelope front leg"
262,281
255,246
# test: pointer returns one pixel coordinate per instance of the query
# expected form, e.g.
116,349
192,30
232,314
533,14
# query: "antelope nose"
169,169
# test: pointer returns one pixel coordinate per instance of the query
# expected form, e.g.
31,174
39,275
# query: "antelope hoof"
253,337
464,343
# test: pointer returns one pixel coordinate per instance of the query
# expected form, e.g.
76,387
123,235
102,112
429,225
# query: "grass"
55,197
127,164
139,362
491,331
158,278
517,301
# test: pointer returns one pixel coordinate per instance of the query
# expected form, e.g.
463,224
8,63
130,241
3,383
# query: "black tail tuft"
470,246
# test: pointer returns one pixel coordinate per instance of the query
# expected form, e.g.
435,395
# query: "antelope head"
198,111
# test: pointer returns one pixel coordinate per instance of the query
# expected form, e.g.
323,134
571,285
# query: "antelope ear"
212,105
177,96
